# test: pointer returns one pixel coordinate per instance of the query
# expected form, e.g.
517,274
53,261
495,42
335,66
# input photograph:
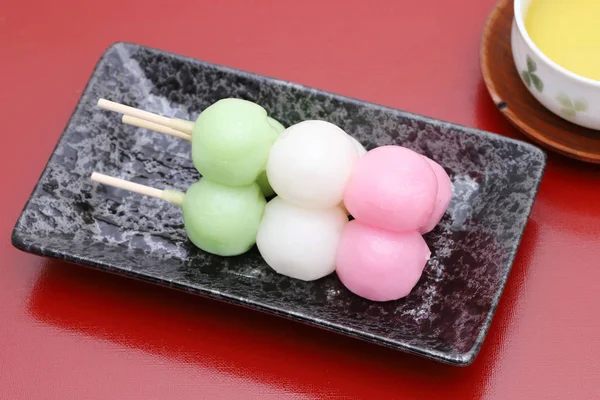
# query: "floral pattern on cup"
529,75
570,108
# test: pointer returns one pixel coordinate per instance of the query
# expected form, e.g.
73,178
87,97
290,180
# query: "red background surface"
71,333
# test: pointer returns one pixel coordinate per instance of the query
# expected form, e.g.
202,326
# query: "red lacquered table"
71,333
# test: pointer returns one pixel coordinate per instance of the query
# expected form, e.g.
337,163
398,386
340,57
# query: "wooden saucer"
516,103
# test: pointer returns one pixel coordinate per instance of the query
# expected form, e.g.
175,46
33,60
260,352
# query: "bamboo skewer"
140,123
172,196
173,123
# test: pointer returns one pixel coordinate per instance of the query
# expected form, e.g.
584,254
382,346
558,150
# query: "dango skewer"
231,139
218,219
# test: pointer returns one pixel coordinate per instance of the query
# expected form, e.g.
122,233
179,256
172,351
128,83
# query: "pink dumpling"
380,265
392,188
444,195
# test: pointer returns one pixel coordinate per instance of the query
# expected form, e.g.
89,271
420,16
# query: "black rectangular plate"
447,315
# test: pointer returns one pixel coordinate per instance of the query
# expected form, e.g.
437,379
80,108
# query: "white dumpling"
359,147
310,164
300,242
361,151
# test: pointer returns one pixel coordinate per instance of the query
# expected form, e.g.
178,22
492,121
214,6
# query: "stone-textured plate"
446,316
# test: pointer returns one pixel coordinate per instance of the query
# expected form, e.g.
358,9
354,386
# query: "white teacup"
571,96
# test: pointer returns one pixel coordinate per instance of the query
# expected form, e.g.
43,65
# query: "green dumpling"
223,220
262,180
278,126
231,141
